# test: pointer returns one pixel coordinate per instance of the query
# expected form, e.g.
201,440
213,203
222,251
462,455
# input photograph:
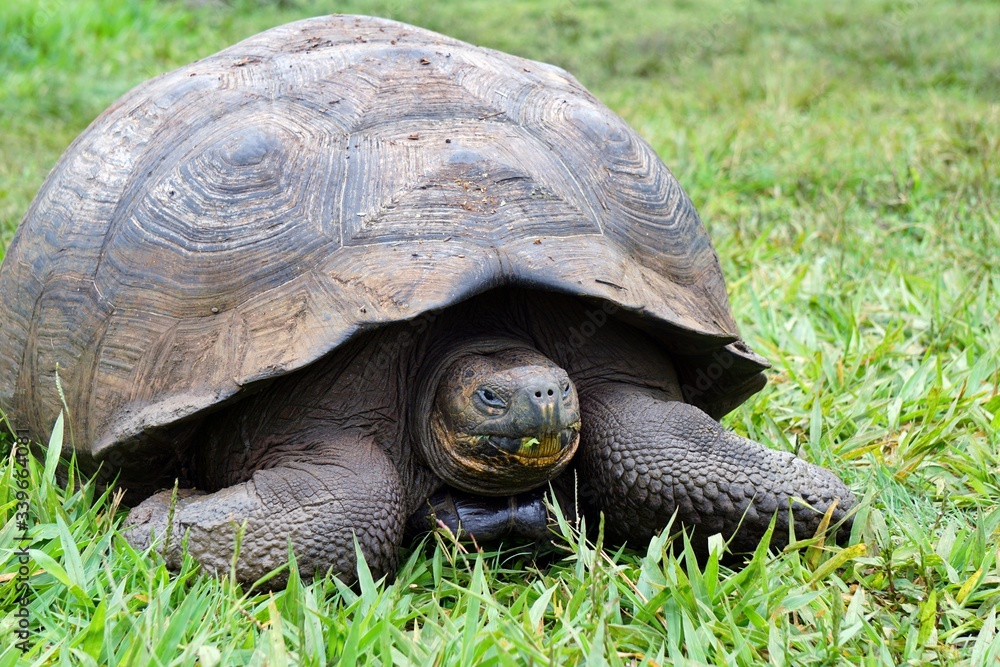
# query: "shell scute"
231,221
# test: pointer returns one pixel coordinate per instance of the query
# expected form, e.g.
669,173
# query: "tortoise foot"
643,459
147,522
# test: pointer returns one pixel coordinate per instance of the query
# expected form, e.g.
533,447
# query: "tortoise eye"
490,398
565,389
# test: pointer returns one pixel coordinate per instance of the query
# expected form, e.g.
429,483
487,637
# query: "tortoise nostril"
543,393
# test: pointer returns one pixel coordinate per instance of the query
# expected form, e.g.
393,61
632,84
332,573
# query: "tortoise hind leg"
642,458
320,499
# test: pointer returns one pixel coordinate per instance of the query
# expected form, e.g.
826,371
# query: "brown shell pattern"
240,217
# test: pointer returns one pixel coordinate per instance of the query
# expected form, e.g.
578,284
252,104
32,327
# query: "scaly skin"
332,452
643,458
318,505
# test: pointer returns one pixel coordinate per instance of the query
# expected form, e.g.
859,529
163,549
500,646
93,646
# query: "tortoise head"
501,422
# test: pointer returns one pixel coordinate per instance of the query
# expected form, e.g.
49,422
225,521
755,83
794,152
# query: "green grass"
845,161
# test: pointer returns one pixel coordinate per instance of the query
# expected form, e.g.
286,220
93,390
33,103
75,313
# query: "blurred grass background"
845,160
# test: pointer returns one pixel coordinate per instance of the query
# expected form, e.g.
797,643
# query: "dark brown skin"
335,450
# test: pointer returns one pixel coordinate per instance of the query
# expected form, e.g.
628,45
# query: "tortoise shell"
237,219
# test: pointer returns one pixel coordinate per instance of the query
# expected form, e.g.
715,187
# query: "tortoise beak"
549,423
544,446
540,404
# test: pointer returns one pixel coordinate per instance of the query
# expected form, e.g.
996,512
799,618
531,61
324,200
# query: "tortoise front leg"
319,499
642,458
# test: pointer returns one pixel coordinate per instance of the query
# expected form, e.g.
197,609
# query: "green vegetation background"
845,160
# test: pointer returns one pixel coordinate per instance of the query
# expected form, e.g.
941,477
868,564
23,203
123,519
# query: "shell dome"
238,218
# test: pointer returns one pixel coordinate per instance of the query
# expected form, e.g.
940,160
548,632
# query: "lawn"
846,161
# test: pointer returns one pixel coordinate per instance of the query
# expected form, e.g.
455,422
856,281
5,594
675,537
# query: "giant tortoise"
350,278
